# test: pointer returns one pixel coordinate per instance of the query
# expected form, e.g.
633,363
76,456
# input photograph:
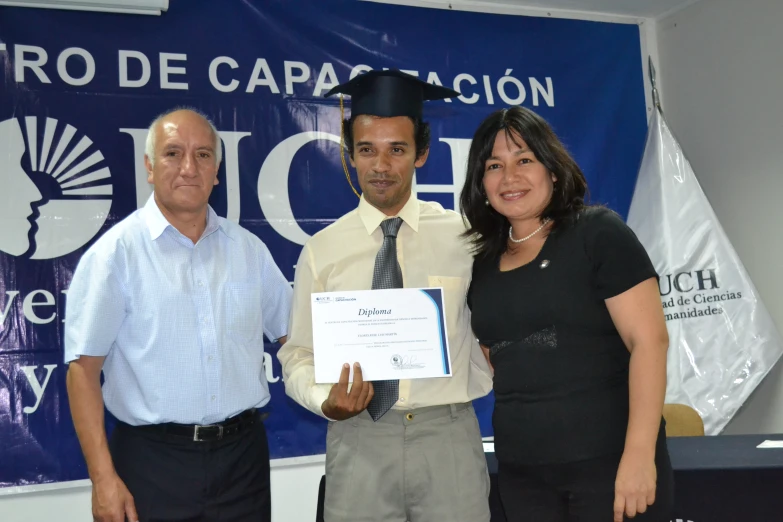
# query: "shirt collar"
371,217
157,223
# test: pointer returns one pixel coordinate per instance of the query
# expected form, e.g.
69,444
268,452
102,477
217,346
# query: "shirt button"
402,399
209,358
213,397
201,283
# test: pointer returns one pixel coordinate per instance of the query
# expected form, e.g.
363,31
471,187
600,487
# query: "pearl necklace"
536,231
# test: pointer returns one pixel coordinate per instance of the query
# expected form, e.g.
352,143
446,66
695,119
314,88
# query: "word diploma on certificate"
395,333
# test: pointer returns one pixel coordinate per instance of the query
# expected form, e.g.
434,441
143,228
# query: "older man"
172,304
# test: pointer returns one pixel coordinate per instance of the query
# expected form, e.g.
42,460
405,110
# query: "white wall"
68,505
294,499
721,82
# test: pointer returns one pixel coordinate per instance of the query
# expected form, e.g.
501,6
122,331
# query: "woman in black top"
566,306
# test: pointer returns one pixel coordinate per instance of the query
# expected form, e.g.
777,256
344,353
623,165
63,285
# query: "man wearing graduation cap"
404,449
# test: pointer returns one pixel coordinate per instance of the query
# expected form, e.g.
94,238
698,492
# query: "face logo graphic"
55,189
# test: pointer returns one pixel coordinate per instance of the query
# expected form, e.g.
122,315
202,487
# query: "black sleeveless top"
561,368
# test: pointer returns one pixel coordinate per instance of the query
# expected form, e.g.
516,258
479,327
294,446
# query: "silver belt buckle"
197,427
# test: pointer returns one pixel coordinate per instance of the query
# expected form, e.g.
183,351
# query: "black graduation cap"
390,93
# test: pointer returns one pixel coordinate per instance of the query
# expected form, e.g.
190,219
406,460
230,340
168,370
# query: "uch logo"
56,188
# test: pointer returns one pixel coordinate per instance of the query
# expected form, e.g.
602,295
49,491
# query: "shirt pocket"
455,291
242,309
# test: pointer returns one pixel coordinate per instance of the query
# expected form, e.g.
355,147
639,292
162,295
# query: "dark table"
723,478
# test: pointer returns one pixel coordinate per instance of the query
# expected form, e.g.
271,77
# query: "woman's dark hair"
488,229
421,135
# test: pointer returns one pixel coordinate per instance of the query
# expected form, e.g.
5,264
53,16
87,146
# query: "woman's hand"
634,487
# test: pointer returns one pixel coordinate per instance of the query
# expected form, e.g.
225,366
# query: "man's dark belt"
209,432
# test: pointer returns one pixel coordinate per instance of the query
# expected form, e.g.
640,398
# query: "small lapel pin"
544,263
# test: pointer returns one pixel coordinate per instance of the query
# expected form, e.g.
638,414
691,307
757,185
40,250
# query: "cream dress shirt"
431,253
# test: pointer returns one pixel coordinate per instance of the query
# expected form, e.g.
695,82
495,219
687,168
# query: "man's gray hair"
149,146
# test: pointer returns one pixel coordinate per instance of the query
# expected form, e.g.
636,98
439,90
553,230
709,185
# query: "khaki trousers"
423,465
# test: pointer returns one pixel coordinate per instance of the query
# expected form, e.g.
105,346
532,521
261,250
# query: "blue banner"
79,89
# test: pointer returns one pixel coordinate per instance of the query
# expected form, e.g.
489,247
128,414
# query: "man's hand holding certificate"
343,404
393,334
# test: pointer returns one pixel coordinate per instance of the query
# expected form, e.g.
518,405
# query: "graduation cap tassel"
342,147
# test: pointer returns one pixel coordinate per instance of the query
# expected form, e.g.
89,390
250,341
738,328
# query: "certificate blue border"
437,299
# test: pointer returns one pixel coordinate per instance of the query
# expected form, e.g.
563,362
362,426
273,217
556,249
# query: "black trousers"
576,492
172,478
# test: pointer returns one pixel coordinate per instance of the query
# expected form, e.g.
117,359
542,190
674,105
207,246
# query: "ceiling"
634,8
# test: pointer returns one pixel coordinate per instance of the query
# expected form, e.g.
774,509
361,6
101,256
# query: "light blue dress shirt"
181,325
